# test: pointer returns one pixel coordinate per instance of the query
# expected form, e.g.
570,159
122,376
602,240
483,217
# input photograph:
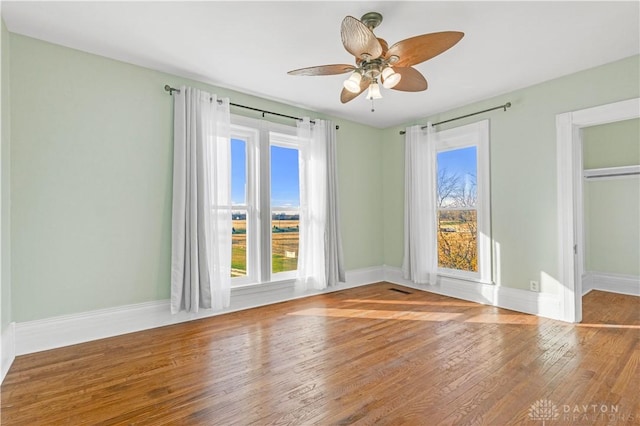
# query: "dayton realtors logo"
546,410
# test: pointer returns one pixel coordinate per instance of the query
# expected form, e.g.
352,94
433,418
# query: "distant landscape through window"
457,209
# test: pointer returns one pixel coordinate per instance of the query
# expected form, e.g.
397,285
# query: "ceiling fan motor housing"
371,19
372,68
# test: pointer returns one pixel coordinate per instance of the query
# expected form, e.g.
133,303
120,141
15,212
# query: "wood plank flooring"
360,356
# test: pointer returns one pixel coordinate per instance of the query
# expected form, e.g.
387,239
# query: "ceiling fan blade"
346,96
384,45
418,49
412,80
323,70
358,39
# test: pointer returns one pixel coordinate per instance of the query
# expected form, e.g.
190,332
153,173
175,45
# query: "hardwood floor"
360,356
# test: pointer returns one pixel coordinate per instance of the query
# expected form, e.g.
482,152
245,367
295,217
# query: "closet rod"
612,172
612,175
505,106
171,90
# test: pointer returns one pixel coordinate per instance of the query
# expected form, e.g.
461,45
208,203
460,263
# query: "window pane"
285,177
457,229
285,235
458,240
285,204
238,172
238,216
457,172
239,243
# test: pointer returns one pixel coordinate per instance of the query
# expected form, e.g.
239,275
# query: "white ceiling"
250,46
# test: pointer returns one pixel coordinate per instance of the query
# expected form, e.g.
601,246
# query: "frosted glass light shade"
352,84
374,91
390,78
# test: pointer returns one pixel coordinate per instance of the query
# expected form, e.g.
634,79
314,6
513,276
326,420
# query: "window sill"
451,275
265,286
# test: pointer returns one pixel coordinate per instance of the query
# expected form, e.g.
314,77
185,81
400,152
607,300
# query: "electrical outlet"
534,286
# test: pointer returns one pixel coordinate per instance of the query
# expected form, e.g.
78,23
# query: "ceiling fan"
375,60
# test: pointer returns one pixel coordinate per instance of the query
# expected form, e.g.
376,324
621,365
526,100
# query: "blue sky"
285,177
285,180
285,185
238,171
459,161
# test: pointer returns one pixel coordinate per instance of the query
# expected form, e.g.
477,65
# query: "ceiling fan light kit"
390,78
376,61
374,91
352,84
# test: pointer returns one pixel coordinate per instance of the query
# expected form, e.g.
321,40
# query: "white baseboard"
50,333
615,283
541,304
358,277
7,350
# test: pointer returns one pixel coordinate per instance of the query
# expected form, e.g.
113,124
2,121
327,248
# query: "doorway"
611,207
569,128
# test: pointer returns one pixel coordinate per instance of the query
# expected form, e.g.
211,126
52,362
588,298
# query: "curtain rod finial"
170,89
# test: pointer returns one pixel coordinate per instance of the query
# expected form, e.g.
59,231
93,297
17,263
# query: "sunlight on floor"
607,326
413,302
486,314
504,319
375,314
487,318
522,319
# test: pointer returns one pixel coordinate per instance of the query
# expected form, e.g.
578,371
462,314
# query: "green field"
284,246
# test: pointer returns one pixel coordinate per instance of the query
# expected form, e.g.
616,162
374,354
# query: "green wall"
612,206
611,145
612,226
523,169
91,157
90,177
5,188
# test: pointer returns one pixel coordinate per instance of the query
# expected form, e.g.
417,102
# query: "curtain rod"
505,106
171,90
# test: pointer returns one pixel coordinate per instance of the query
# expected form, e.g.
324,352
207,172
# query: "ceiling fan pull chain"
372,108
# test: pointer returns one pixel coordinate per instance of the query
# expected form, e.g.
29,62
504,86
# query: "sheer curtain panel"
333,238
201,214
320,260
420,263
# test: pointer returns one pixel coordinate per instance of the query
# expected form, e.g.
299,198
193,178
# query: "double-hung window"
244,201
285,204
463,203
265,188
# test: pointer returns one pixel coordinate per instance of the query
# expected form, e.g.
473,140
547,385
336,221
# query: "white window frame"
252,199
286,141
474,135
259,136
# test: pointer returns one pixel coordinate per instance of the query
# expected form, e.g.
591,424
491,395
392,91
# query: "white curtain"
320,261
333,237
420,262
201,220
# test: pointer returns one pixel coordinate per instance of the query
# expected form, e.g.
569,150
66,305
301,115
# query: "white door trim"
569,184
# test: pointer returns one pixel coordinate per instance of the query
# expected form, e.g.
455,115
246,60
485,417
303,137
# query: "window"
244,202
264,178
239,207
463,202
285,207
457,213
